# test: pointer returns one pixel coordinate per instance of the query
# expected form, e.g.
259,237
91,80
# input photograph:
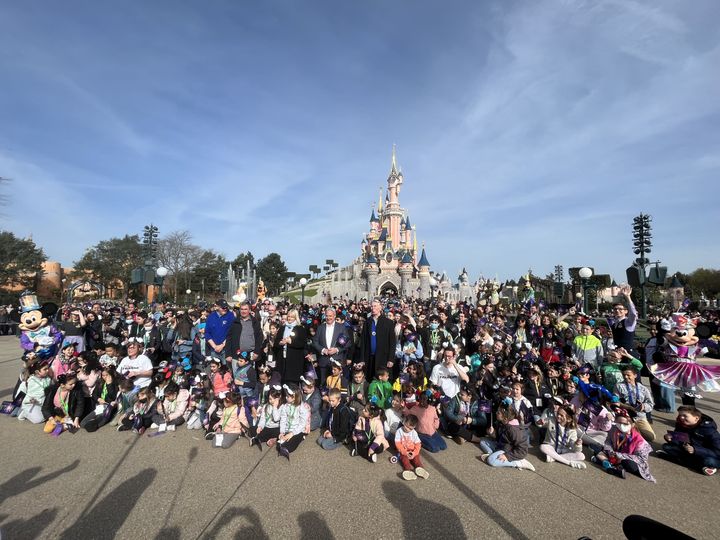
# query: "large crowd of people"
385,377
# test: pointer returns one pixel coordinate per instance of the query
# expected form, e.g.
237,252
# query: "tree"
271,269
113,260
20,261
179,255
701,280
207,272
240,262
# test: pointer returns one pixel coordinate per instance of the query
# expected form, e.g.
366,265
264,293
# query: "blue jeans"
432,443
328,444
690,460
489,446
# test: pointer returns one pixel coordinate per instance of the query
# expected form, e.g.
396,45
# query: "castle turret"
371,270
424,275
405,270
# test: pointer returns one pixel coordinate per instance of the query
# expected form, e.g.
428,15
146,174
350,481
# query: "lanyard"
226,418
564,437
64,402
103,394
630,394
291,415
368,431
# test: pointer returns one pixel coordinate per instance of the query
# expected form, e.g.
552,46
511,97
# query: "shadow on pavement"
420,517
314,527
31,527
107,516
23,481
254,529
493,514
168,533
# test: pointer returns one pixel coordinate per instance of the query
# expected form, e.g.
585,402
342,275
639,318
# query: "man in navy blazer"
326,344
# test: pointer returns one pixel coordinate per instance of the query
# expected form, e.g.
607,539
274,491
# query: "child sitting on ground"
311,398
268,425
369,435
695,443
464,416
393,415
510,449
336,426
562,443
428,422
171,408
232,423
407,443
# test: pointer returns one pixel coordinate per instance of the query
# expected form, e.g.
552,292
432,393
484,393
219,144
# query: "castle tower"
405,270
371,270
424,274
393,212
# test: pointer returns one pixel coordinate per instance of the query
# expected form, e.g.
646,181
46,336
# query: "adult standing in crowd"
217,328
244,337
377,345
326,343
623,327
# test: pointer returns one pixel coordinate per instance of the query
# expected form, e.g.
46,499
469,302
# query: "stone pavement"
119,485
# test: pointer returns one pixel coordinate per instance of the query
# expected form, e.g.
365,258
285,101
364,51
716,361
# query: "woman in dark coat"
63,400
289,349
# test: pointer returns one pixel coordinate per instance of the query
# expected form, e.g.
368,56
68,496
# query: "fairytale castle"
389,262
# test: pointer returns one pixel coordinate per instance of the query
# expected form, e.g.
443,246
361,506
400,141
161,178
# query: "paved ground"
111,484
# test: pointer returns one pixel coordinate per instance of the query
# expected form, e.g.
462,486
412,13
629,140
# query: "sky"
529,133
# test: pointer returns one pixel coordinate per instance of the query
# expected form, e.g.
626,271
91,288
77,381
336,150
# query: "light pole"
161,273
303,282
585,274
188,292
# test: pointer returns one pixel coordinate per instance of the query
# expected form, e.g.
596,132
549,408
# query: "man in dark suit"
377,346
325,343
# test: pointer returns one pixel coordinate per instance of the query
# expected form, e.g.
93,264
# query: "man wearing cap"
326,343
377,345
217,328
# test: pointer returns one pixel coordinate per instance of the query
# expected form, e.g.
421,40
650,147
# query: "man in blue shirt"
217,327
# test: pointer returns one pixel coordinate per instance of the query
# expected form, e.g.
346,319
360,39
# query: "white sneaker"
422,473
549,459
409,475
578,465
153,426
525,464
373,458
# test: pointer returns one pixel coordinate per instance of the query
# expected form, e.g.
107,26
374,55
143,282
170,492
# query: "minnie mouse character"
38,334
680,370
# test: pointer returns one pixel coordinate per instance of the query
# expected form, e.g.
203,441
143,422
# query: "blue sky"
529,133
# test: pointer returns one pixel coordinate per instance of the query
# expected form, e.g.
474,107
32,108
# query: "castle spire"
414,239
394,167
380,201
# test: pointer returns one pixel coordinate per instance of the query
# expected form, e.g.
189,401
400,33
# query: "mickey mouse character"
38,334
680,370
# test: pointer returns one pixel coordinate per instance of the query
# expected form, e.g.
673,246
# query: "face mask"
625,428
434,326
128,321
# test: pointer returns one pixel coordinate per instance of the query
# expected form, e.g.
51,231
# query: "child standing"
358,389
380,390
369,435
293,421
407,443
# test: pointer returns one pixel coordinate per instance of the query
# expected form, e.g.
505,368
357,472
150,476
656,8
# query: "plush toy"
38,333
679,369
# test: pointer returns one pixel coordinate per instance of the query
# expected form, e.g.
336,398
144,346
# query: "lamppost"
188,292
303,282
585,274
161,273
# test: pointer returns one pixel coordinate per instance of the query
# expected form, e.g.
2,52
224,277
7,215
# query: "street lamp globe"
585,272
188,291
303,282
161,272
578,295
